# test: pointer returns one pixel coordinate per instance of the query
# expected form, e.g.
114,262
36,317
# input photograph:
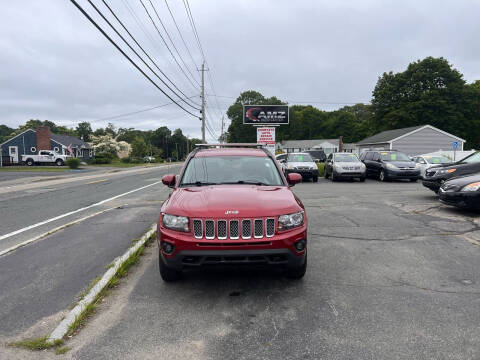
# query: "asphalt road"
40,281
391,275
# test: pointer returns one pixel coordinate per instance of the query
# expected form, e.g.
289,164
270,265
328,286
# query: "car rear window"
231,170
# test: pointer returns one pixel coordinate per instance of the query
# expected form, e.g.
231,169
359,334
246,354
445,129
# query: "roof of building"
307,143
68,140
388,135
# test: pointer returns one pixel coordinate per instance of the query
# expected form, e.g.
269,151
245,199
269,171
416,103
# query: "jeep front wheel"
297,272
29,162
168,274
59,162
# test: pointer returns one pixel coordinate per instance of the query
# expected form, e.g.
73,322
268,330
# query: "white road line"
16,232
26,242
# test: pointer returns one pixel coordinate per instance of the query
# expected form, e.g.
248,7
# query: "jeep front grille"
233,229
198,228
258,228
270,227
246,229
222,229
209,229
234,233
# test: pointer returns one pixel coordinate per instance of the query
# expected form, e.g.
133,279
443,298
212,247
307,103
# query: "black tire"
382,176
297,272
315,179
333,177
362,179
168,274
325,173
59,162
29,162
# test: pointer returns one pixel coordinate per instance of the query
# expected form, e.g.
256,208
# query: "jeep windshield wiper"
247,182
198,183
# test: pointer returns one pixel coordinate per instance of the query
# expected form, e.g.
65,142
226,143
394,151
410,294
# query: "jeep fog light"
300,245
167,248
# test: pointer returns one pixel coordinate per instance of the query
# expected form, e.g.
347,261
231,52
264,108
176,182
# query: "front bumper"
304,173
433,185
190,252
399,174
349,175
461,199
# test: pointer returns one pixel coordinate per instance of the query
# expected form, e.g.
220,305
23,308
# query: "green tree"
429,91
5,132
139,147
84,131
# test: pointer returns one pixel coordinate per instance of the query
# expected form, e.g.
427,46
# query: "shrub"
73,163
321,167
125,160
136,160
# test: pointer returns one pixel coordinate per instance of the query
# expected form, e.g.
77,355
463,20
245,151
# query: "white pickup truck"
45,157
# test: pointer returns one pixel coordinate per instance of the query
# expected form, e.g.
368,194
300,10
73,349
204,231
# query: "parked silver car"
344,166
300,163
424,162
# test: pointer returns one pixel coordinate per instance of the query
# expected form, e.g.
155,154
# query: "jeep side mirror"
294,178
169,180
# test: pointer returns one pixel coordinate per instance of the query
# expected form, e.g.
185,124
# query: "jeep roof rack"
232,145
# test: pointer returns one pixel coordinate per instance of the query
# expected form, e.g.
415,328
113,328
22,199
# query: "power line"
300,102
166,45
179,32
194,28
173,44
74,2
136,42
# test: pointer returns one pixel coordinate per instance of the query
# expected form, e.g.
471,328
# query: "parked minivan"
389,165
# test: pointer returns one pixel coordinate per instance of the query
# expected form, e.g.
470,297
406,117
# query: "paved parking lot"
393,274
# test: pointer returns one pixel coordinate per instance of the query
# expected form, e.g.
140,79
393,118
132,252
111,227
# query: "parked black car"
462,192
389,165
436,176
317,155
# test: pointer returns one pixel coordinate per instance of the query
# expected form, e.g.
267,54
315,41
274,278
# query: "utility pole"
176,149
223,124
188,148
203,102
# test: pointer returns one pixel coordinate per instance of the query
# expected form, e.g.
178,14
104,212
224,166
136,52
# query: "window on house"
33,149
56,149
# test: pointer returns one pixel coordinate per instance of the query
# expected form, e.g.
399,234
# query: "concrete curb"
61,330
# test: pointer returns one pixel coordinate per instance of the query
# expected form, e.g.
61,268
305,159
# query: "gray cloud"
54,65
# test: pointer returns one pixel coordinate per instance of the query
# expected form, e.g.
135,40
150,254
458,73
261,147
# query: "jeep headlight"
179,223
391,166
472,187
290,221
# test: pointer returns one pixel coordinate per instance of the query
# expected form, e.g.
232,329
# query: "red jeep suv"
231,205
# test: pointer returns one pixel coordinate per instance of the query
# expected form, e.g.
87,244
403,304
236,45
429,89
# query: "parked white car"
424,162
45,157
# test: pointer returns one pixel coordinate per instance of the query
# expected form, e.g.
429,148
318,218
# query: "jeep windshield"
216,170
394,156
299,158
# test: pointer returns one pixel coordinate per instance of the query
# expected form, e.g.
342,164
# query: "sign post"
266,137
455,147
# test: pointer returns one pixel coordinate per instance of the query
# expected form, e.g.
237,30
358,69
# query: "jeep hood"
232,201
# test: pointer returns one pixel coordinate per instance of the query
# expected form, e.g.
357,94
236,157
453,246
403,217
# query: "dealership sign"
266,137
265,114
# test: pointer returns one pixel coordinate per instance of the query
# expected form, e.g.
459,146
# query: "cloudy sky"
55,65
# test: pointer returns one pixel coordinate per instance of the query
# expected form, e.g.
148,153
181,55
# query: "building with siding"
327,145
31,141
414,140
